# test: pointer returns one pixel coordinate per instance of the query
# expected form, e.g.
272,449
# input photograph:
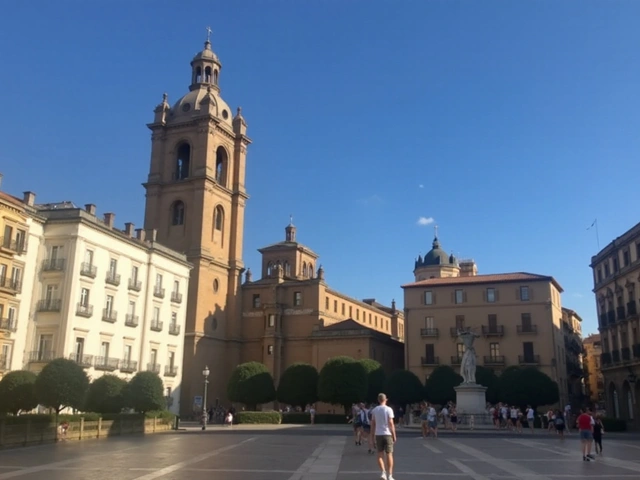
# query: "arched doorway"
628,400
614,402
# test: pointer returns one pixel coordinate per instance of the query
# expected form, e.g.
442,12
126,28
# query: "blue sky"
512,124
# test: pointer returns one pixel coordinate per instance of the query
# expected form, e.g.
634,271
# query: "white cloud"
371,200
421,186
424,221
578,295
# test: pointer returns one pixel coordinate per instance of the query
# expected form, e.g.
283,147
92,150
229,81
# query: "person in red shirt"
585,427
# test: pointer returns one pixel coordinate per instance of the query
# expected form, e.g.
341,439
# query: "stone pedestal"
471,399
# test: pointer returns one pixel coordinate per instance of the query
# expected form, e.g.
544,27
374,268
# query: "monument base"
471,399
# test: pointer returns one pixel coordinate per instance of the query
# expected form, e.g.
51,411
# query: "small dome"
207,54
436,256
189,105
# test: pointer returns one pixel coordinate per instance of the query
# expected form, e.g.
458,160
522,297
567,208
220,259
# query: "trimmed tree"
251,384
439,385
404,388
342,381
106,395
62,384
486,377
376,378
18,392
298,385
527,386
145,393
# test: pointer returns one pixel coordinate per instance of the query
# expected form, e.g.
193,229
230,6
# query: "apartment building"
572,331
616,278
517,317
594,380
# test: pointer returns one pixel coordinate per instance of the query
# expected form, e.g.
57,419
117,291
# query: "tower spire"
208,29
290,231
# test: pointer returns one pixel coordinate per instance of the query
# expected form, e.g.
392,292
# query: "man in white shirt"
384,431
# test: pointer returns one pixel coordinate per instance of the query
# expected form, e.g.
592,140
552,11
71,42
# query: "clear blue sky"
513,124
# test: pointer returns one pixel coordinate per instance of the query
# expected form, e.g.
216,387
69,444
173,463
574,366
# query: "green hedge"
305,418
614,425
163,417
271,418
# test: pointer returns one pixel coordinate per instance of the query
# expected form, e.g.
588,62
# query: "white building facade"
111,300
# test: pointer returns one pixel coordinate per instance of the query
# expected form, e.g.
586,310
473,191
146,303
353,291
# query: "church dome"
206,54
189,106
436,256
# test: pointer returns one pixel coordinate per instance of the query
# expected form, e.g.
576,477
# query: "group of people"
429,418
512,418
591,429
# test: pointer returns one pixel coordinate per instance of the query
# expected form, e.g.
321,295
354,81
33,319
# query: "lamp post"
632,379
205,414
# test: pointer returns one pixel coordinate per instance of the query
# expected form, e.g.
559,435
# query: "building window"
256,300
625,258
335,306
459,322
599,275
177,213
459,297
460,350
304,269
171,360
525,319
221,166
615,264
491,295
84,297
343,309
430,353
158,280
428,323
287,269
219,218
108,307
297,299
607,272
326,303
269,349
494,350
271,322
428,298
524,294
156,314
104,350
350,311
88,257
182,161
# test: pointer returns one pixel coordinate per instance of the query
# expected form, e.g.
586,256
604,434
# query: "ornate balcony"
10,285
174,329
158,292
8,325
53,265
112,278
615,356
621,314
456,360
526,329
529,359
13,246
109,316
176,297
106,363
493,330
494,360
128,366
84,310
156,326
41,356
131,320
430,360
602,320
611,317
49,305
153,367
632,309
88,270
84,361
429,332
135,285
170,371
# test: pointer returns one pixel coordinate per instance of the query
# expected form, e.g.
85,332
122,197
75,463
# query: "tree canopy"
376,378
62,383
487,377
251,384
439,386
404,387
342,381
106,395
298,385
144,392
527,386
18,392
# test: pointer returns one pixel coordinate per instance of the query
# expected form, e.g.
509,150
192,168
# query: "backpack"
365,419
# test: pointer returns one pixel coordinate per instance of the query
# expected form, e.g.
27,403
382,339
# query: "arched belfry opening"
183,161
222,162
177,213
218,225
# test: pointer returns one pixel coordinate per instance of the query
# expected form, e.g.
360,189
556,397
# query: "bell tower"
195,201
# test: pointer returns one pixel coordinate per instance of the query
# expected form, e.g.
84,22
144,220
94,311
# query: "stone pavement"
314,453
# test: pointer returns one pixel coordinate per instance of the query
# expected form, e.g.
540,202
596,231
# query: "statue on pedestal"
468,363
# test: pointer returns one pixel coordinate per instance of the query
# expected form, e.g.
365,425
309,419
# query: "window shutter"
497,294
530,293
464,297
433,298
484,295
517,293
453,297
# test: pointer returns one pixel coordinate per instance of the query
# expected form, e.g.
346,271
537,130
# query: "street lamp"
205,415
632,379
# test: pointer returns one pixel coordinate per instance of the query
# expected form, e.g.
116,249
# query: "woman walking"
598,430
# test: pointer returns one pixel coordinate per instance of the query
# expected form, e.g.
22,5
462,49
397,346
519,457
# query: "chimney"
140,234
29,198
128,229
153,235
90,208
109,218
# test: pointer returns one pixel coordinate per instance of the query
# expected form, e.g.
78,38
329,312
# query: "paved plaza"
318,453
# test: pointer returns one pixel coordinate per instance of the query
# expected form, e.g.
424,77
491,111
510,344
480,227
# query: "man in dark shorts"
383,429
585,426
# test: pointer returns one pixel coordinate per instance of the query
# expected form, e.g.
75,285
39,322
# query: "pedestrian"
598,430
531,417
585,429
559,423
384,432
432,420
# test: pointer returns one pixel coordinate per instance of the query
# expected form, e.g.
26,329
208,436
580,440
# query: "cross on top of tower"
435,228
208,29
290,219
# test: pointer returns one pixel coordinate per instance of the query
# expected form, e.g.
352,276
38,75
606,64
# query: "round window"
216,285
186,107
225,114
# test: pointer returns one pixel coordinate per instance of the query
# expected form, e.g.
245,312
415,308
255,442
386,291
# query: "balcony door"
430,353
88,257
493,323
527,352
51,293
45,347
127,354
79,349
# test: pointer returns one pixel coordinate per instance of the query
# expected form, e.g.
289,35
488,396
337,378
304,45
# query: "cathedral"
195,201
